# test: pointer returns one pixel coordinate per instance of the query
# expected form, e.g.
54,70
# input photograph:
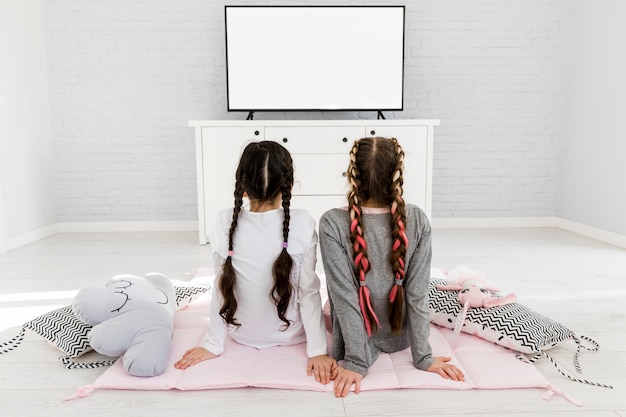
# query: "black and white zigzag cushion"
187,292
513,326
62,330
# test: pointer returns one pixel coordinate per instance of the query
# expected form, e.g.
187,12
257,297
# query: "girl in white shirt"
267,290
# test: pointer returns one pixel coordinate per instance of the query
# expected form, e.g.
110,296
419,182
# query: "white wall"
126,76
594,168
492,72
27,189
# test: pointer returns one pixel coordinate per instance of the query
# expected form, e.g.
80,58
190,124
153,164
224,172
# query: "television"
314,58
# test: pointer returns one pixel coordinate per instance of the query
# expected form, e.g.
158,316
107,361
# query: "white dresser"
320,150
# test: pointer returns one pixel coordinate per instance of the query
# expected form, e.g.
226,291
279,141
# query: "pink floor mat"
485,365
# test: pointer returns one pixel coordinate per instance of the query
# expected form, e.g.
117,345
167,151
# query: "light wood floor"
575,280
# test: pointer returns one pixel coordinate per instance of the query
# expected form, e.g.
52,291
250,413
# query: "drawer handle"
285,140
344,174
344,140
372,132
256,133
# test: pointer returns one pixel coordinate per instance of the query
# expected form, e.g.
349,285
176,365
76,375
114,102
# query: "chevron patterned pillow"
187,292
512,325
62,330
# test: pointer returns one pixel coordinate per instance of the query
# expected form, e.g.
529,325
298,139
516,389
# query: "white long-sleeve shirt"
257,243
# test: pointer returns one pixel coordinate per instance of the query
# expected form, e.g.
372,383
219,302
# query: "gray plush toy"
131,316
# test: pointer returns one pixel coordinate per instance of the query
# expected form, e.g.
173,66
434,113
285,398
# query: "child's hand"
194,356
446,370
344,381
323,367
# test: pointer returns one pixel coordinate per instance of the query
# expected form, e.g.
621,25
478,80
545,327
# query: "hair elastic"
285,245
231,253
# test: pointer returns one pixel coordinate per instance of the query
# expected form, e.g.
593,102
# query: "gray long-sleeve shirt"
350,340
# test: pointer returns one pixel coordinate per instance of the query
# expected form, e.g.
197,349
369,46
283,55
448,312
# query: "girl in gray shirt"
376,254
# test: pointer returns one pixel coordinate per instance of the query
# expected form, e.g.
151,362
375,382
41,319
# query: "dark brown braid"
281,291
265,171
227,277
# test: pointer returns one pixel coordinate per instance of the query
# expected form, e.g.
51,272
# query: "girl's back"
259,242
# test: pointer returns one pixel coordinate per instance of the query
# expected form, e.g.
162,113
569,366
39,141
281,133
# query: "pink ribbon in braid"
364,302
360,259
399,280
360,242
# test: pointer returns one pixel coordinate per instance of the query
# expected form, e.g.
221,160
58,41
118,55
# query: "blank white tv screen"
285,58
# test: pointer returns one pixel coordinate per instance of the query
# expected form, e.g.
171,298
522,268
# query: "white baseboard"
492,222
514,222
23,239
593,232
32,236
437,223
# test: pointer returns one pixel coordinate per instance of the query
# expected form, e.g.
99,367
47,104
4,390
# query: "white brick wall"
126,76
492,72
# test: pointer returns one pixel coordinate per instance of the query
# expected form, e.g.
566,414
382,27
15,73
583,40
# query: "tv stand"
380,115
320,151
250,115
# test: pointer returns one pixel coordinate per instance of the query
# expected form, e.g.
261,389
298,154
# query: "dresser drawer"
406,135
320,174
315,139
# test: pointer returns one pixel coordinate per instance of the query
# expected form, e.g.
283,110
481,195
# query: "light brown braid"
400,241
